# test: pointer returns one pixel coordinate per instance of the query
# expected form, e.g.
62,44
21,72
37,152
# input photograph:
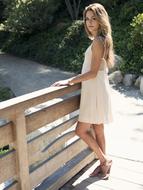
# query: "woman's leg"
82,130
100,139
100,136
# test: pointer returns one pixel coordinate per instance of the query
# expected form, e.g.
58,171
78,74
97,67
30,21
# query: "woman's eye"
87,19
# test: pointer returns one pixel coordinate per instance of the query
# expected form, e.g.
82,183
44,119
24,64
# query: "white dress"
95,102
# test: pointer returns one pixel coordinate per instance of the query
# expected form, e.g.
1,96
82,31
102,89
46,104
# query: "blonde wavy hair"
104,31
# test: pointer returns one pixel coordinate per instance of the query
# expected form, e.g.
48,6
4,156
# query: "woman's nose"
90,20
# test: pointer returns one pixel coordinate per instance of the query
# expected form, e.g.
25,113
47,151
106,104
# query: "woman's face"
91,22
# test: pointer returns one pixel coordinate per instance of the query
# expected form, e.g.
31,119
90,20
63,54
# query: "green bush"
129,9
2,152
3,38
72,46
63,43
134,57
64,51
5,93
30,16
2,7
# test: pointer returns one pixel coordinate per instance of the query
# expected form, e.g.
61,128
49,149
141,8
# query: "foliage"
2,7
5,93
3,151
30,15
72,46
3,38
64,51
134,56
60,42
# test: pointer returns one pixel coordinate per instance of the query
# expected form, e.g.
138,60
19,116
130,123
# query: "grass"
3,151
5,93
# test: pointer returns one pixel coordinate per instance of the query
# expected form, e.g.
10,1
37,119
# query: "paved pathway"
124,135
25,76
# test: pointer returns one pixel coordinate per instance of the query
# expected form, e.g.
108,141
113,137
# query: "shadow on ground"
128,91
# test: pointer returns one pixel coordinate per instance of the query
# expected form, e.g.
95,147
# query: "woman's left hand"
61,83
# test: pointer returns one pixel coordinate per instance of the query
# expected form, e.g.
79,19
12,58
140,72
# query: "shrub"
2,7
134,56
63,42
30,15
5,93
129,9
72,46
64,51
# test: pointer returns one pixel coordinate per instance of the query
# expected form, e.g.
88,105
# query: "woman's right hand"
61,83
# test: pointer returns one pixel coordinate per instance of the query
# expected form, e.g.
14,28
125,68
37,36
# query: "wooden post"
21,151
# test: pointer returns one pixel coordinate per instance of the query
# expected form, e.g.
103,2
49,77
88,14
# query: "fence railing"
44,150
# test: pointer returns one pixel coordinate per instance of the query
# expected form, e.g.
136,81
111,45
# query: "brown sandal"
96,172
106,167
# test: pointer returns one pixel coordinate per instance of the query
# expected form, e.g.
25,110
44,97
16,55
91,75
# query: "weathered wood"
59,142
21,151
7,166
13,186
52,149
6,134
16,164
44,170
47,115
37,144
125,174
8,161
10,107
76,167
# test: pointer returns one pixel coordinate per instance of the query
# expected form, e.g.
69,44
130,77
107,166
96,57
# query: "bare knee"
81,129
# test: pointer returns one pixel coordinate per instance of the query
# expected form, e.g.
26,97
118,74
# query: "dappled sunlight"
3,71
24,76
130,92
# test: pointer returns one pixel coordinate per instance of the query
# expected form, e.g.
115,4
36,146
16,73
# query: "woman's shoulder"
98,42
99,39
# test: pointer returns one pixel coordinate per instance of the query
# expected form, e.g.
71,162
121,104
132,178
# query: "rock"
137,82
129,79
115,77
141,85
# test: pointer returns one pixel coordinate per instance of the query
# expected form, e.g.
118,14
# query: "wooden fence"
48,159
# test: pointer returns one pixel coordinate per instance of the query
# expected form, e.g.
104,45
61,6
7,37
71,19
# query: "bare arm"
97,53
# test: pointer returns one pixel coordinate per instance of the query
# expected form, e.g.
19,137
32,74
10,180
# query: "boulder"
115,77
137,82
129,79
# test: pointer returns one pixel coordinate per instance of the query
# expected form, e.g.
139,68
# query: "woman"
95,105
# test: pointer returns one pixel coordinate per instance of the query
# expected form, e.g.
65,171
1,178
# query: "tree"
73,8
